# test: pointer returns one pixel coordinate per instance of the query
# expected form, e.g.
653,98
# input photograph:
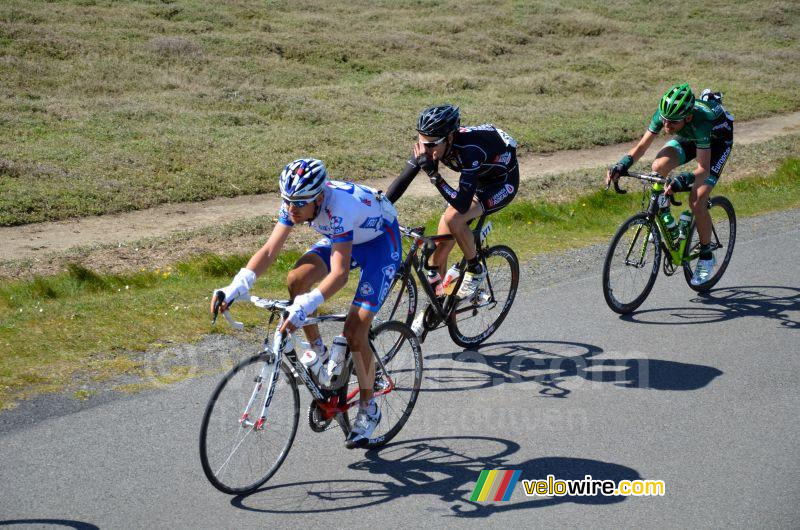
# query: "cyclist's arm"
340,269
460,199
266,255
399,186
644,144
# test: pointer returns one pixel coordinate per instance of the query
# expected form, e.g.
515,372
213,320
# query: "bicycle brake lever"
219,297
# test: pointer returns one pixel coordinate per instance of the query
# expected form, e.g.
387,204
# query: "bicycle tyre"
406,309
244,371
716,206
403,361
458,328
610,292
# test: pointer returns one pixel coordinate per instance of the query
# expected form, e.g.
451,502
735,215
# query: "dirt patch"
106,242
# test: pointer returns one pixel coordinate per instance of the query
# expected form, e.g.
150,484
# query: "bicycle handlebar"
264,303
655,178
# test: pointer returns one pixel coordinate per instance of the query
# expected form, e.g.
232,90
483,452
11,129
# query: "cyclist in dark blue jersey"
486,158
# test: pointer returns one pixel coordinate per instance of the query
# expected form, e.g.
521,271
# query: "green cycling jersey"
710,122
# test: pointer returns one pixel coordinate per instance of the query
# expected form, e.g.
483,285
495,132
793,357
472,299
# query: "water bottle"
683,224
450,278
312,363
666,217
336,360
435,280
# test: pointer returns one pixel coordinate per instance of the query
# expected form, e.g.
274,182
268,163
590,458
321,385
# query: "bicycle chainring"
669,267
315,420
431,319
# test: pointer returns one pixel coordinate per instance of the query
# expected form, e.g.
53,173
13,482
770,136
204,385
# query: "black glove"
435,179
683,181
621,167
428,165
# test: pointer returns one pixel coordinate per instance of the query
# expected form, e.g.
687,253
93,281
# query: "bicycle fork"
269,373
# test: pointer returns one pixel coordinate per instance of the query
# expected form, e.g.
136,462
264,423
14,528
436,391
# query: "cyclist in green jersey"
703,130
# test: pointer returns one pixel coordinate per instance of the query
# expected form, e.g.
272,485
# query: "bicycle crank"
315,419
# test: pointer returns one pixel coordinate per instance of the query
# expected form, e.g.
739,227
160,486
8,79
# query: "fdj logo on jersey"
372,222
336,224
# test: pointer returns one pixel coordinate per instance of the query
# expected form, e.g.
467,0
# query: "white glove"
240,286
303,306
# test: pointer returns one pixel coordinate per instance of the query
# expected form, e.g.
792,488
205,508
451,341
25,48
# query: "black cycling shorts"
496,196
720,151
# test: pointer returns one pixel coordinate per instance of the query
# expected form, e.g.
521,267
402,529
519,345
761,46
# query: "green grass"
116,105
53,328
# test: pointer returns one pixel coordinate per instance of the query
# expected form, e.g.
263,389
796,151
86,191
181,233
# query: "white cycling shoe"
366,422
703,271
472,280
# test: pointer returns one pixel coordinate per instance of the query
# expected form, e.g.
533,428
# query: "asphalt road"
698,391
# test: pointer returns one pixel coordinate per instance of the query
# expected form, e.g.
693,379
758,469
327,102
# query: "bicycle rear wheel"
628,275
237,453
397,389
723,236
474,320
401,302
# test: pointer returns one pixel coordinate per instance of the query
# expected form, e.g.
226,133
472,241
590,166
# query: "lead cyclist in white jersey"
360,230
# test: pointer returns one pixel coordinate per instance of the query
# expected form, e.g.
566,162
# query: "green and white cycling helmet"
677,103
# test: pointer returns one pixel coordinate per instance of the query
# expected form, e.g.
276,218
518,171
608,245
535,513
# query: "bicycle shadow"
552,364
80,525
772,302
444,467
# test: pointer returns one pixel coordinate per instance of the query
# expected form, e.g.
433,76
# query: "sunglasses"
299,203
665,121
429,145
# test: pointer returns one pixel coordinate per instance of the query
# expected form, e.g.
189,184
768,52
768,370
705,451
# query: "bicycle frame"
283,344
674,252
447,307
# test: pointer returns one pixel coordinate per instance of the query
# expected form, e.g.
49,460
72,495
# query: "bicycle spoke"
474,320
627,282
236,456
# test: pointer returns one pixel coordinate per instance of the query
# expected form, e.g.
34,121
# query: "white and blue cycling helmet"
303,179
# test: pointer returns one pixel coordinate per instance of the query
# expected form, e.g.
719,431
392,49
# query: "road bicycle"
469,321
251,419
635,253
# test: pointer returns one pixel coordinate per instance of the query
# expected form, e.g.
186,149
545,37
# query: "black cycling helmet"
439,120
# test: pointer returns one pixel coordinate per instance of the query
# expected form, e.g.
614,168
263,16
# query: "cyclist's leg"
453,222
311,268
356,331
698,198
379,260
674,153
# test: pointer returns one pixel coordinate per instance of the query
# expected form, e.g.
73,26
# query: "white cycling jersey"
349,212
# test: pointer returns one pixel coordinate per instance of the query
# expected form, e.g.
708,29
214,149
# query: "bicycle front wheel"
631,265
238,452
723,237
397,388
475,320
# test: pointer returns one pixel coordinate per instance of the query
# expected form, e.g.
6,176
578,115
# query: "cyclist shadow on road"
443,467
554,369
772,302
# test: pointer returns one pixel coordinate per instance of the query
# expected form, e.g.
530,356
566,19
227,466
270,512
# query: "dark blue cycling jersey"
484,155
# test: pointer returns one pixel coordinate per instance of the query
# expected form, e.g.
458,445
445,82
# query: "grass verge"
81,321
114,105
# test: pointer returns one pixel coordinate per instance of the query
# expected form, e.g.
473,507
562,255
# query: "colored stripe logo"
495,485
